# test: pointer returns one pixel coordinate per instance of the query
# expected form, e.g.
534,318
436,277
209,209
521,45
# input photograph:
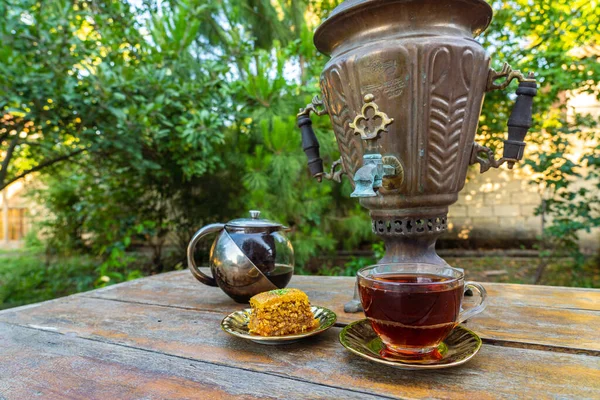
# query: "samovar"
404,89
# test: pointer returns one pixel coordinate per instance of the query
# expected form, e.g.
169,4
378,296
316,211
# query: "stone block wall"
499,204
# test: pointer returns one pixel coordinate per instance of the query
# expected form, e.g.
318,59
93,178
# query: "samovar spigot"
370,176
369,124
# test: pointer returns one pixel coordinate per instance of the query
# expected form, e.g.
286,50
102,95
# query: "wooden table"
159,338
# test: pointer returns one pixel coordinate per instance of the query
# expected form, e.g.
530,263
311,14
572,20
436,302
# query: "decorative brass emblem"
370,122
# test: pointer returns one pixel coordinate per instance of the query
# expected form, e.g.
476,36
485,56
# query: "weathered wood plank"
181,289
37,364
495,372
540,315
568,298
572,329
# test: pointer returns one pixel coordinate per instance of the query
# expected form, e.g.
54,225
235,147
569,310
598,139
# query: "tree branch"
41,166
47,146
9,154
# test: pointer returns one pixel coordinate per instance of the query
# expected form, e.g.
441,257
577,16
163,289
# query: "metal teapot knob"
254,214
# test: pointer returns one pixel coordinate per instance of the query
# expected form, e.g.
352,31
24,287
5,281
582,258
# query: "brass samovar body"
404,89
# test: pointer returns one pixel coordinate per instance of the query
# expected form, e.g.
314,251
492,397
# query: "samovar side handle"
518,123
310,143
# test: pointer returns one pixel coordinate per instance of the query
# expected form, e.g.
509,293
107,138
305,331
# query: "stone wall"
497,205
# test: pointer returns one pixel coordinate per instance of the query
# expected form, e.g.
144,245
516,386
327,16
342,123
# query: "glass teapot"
249,256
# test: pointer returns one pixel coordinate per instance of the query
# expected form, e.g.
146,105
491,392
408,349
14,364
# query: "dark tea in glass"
413,307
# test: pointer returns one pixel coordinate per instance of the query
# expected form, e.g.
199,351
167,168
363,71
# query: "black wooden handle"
310,145
520,121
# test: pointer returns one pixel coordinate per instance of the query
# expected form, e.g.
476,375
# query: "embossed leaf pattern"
349,145
445,126
446,119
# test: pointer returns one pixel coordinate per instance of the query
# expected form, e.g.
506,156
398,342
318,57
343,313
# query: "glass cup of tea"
413,306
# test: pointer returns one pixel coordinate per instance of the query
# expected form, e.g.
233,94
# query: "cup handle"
207,280
478,308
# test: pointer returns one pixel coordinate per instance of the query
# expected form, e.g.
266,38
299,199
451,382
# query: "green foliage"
350,268
33,243
49,101
154,114
29,277
149,122
26,278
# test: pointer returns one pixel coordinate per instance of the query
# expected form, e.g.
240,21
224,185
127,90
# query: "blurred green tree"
178,113
80,79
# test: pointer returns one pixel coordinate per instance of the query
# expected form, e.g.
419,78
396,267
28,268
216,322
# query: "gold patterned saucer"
236,324
459,347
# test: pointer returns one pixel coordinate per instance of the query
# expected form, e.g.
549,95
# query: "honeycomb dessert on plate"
281,312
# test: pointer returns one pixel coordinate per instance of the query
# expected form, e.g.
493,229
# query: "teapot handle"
207,280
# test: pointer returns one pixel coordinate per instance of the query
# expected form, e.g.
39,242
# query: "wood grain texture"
45,365
540,315
190,334
181,289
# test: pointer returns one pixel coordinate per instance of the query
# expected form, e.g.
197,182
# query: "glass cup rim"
360,274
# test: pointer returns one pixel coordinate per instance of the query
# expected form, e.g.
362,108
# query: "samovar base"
407,240
354,305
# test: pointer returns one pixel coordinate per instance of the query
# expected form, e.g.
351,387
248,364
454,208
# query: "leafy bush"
26,278
29,277
148,121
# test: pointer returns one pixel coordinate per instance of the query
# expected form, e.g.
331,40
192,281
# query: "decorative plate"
236,324
459,347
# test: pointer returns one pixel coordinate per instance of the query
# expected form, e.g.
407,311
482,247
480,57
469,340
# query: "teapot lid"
255,224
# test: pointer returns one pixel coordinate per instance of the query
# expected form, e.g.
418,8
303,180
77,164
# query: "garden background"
131,124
